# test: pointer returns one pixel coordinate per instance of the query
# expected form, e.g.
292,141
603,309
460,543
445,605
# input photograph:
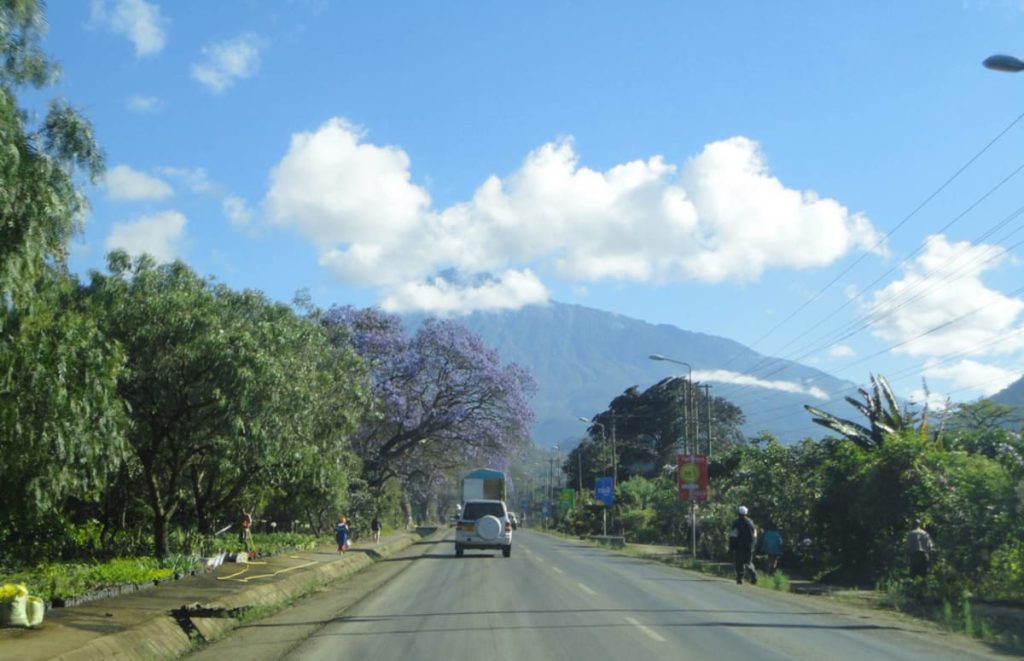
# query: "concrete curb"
164,637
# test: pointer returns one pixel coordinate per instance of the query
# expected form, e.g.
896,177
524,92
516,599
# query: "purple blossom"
442,397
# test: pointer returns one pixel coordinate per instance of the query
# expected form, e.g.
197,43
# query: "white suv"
484,524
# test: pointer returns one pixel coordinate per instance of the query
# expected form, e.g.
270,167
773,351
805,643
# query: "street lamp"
615,456
690,409
690,406
1007,63
615,467
579,463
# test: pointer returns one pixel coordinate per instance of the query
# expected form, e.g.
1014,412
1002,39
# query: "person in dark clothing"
375,526
742,539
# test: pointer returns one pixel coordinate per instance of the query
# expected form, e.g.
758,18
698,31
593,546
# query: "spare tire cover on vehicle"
488,527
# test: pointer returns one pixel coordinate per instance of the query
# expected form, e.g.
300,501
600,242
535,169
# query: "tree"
291,418
60,421
40,206
442,397
983,415
217,404
881,410
650,428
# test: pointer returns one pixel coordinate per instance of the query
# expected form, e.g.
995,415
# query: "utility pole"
707,398
686,418
579,467
695,410
615,457
551,489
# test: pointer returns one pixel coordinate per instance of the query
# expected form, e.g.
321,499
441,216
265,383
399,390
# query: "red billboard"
693,477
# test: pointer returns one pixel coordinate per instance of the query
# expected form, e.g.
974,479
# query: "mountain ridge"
582,358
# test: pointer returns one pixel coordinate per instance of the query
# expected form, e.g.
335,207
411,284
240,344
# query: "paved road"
556,599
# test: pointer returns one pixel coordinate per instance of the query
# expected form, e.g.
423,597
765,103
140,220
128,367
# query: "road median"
168,620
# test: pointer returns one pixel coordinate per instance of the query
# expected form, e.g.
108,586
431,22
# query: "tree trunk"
160,521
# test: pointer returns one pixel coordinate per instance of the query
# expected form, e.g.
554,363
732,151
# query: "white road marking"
647,630
586,589
553,568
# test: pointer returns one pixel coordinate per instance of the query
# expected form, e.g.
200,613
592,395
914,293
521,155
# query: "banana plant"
879,407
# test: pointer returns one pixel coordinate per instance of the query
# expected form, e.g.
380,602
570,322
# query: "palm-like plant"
879,407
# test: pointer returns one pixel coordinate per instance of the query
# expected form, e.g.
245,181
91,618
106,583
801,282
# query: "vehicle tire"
458,550
489,528
507,551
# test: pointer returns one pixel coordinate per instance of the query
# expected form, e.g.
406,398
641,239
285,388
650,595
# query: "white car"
484,524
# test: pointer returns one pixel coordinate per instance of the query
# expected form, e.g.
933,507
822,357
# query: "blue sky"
748,172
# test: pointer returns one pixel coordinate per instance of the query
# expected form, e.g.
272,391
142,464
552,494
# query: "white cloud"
124,183
973,375
936,401
237,211
511,290
722,216
141,103
335,190
160,235
195,178
725,376
228,61
841,351
943,290
141,22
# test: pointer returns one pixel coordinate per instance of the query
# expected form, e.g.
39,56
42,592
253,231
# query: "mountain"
1011,395
582,358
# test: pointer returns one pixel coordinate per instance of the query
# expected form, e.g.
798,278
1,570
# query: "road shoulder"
277,634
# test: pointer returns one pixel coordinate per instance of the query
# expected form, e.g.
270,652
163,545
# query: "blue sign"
604,491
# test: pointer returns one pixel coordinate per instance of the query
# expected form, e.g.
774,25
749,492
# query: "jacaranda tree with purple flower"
442,398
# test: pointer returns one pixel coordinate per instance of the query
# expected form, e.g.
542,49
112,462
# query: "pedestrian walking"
341,534
742,539
375,526
245,532
920,550
772,544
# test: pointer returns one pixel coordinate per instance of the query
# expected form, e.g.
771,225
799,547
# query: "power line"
852,328
880,241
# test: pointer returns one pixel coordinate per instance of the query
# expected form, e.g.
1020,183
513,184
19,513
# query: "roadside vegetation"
145,408
844,504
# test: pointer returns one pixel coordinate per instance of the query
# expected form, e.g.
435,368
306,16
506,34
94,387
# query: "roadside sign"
693,477
604,491
566,500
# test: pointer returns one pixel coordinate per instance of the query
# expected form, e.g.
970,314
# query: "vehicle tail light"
508,526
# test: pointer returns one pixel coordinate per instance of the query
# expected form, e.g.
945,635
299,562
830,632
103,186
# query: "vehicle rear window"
474,511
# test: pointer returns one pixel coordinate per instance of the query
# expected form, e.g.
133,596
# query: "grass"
67,580
777,581
954,614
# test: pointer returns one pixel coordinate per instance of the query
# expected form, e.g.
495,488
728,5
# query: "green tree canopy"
40,206
227,391
60,420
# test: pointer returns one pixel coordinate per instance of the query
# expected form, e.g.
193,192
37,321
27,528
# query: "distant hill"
1012,395
582,358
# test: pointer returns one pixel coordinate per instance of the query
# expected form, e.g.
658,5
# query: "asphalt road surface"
556,599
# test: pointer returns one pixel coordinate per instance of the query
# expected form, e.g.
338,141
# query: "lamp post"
693,444
615,466
1006,63
604,439
551,483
